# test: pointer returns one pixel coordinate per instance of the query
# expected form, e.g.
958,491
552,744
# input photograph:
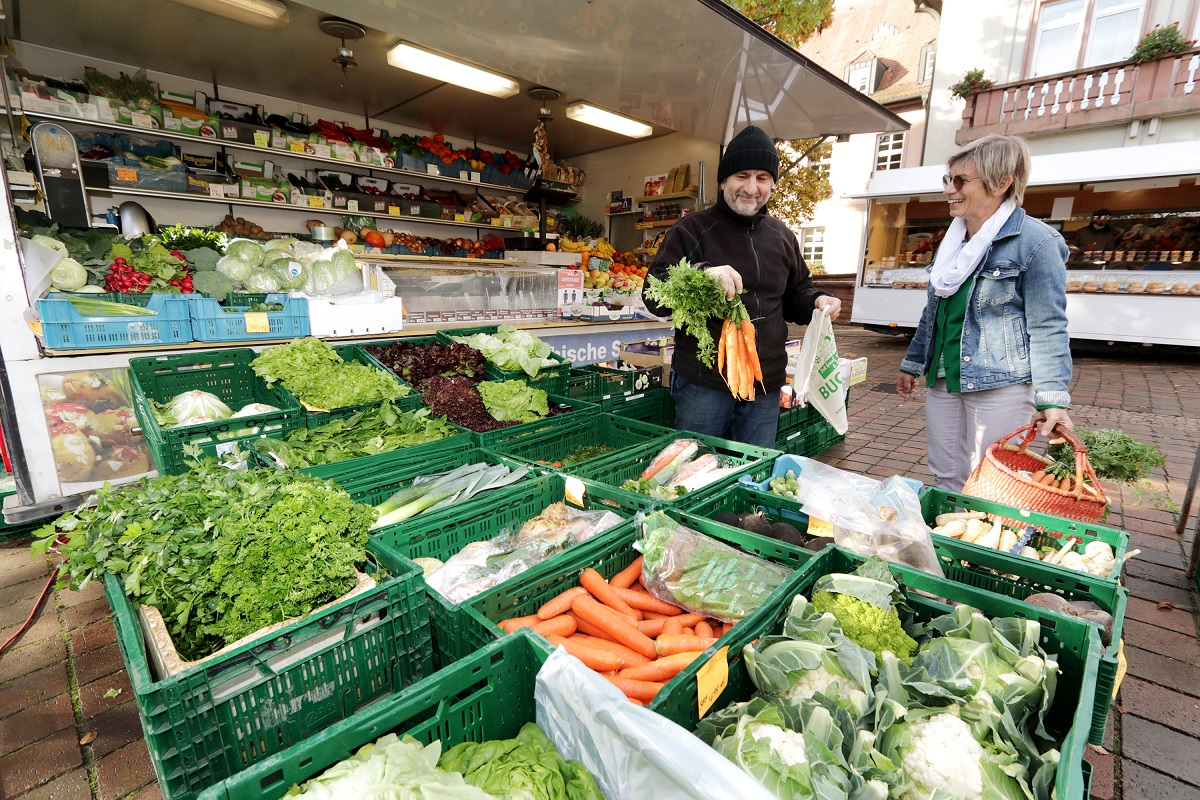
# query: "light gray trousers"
960,426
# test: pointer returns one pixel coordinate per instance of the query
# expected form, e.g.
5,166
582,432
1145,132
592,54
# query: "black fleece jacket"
778,286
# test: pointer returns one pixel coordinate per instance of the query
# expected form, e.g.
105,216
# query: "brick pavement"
65,681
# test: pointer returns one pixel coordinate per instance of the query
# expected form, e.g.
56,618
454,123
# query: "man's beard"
744,206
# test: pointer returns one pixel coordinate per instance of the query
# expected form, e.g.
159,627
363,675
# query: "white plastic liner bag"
633,752
818,375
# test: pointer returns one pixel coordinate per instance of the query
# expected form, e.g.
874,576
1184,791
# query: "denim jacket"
1016,325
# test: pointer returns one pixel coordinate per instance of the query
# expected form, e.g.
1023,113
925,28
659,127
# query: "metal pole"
1181,528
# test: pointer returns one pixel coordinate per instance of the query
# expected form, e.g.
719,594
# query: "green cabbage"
281,244
68,275
290,273
262,282
234,268
50,243
191,408
250,252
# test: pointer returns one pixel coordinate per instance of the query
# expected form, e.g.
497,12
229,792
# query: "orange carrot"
653,614
668,454
628,576
562,625
672,625
733,359
663,669
632,658
652,627
746,371
721,349
510,625
751,337
594,582
689,631
592,657
635,701
589,630
668,645
614,624
560,604
636,690
702,629
647,602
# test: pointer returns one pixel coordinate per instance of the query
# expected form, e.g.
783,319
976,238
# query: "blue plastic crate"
64,328
212,323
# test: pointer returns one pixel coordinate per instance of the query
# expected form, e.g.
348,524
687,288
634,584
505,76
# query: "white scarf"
957,258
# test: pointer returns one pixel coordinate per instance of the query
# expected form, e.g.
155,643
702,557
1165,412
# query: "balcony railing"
1107,95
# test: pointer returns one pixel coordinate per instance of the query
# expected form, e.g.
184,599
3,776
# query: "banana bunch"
571,246
604,249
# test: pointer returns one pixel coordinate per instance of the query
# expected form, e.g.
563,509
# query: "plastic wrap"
481,565
691,570
869,517
633,752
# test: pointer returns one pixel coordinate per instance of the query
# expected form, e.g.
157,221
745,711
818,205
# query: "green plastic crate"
354,353
552,379
220,717
1076,643
378,463
557,440
614,382
488,695
574,407
583,385
613,470
441,537
608,557
367,350
224,373
654,406
804,432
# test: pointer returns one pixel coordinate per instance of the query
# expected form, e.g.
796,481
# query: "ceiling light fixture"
590,115
259,13
432,65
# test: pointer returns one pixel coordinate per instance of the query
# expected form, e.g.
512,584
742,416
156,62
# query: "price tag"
128,174
352,205
228,132
460,218
476,177
257,322
819,527
575,491
393,211
296,147
216,190
711,680
262,139
316,202
414,211
1122,666
432,169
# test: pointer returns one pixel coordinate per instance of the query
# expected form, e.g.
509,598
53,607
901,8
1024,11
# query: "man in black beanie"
752,254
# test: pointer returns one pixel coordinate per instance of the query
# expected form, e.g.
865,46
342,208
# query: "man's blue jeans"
717,413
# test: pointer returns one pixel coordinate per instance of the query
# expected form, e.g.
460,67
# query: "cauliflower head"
788,745
943,754
868,625
816,681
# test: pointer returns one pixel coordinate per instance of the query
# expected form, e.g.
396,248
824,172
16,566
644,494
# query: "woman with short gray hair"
992,342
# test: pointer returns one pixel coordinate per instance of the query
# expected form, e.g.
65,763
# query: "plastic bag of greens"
701,574
290,273
262,282
236,269
250,252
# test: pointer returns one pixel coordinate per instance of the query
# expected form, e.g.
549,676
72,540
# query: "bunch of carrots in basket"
737,354
635,640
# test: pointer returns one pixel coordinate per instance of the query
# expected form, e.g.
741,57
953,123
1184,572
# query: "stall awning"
1112,168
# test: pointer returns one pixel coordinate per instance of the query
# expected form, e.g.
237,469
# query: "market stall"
1137,287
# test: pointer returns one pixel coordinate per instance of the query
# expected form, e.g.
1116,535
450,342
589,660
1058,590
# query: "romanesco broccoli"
867,625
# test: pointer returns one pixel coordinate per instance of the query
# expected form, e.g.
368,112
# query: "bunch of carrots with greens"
694,298
617,628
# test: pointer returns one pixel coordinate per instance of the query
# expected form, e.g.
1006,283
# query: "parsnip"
1057,556
942,519
954,529
991,538
975,529
1008,540
1030,552
1073,560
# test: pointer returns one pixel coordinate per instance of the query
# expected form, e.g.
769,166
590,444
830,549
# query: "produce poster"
90,422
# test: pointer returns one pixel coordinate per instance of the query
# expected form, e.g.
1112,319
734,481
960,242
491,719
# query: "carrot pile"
635,640
737,354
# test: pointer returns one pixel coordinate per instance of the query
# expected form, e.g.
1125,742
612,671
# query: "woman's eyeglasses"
957,180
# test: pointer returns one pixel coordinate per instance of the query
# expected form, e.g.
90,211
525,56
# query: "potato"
91,389
74,456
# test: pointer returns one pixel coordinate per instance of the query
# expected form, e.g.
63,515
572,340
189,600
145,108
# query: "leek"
430,492
90,307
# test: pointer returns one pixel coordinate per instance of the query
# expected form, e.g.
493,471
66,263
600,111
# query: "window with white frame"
884,29
925,70
812,245
861,75
889,150
1074,34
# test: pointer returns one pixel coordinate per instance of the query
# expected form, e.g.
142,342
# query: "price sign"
262,139
460,218
216,190
393,211
711,680
228,132
476,177
819,527
316,202
257,322
352,205
432,169
296,147
127,174
414,211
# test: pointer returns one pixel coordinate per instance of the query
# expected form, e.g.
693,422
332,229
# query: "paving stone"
1165,671
44,626
40,762
68,598
72,786
36,687
17,600
25,571
86,613
1161,705
1161,559
151,792
26,657
1103,787
120,772
96,664
35,722
1143,541
1139,783
93,697
92,636
1159,592
1159,574
1174,619
1160,748
1159,640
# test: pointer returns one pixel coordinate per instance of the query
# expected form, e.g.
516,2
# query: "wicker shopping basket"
998,478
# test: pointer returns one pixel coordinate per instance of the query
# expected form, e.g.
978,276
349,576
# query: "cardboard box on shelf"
654,353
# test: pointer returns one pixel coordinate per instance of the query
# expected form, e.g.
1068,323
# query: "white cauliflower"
786,744
943,755
816,681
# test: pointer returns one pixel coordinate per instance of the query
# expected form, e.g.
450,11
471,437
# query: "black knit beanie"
750,149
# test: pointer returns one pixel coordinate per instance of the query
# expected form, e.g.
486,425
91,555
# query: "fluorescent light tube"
590,115
423,62
259,13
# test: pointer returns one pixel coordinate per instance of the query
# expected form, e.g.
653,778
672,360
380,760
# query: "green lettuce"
514,401
512,350
525,768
